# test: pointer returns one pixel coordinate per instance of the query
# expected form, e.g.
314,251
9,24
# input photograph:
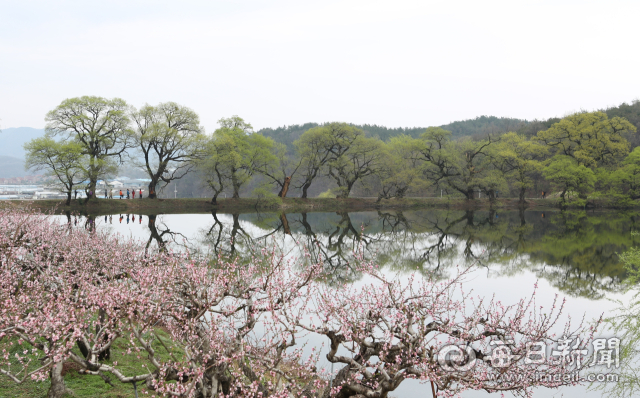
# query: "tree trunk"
521,196
154,233
285,223
106,354
307,227
214,200
285,187
236,186
92,188
68,198
152,190
469,214
469,194
305,187
57,388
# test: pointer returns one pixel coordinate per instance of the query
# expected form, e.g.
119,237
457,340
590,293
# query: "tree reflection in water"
162,235
576,253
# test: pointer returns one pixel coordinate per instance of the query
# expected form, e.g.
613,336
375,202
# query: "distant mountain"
13,167
12,140
11,152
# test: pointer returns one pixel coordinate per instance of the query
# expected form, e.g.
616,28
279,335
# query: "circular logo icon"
456,358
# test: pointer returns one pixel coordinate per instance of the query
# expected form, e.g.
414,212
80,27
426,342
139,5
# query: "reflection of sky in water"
485,281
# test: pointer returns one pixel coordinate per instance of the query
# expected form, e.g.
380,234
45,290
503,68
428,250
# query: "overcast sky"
394,63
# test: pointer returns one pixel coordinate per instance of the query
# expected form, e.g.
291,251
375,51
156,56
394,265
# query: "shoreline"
288,205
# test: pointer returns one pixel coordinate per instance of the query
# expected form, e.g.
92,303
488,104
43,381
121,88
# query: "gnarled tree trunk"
152,190
285,187
57,388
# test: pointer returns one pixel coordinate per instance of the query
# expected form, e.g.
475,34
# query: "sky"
393,63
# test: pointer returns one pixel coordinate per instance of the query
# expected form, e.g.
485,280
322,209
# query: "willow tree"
627,177
401,171
99,125
234,155
170,138
320,145
570,176
282,171
519,159
591,138
364,157
62,160
216,166
461,165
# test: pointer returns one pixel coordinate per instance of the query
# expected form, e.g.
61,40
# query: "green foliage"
285,168
321,145
327,194
591,138
265,197
234,155
363,157
99,125
63,160
462,165
171,140
627,178
482,154
401,171
519,160
568,175
481,125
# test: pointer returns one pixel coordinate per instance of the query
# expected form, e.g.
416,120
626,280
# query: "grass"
80,385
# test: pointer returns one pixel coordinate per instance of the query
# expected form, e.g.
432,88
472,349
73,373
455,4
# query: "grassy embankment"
288,205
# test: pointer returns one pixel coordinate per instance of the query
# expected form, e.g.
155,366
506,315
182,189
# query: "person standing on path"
133,191
105,193
121,194
110,193
128,193
140,193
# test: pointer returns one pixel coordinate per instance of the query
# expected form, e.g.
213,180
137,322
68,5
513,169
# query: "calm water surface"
573,254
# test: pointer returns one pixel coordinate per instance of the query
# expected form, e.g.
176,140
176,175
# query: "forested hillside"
481,125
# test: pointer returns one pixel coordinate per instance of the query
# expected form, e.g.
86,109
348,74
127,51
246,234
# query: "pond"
572,254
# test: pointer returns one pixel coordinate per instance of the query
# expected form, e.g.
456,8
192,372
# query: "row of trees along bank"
87,138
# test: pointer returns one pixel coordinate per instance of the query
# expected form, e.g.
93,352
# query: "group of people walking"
130,193
109,194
